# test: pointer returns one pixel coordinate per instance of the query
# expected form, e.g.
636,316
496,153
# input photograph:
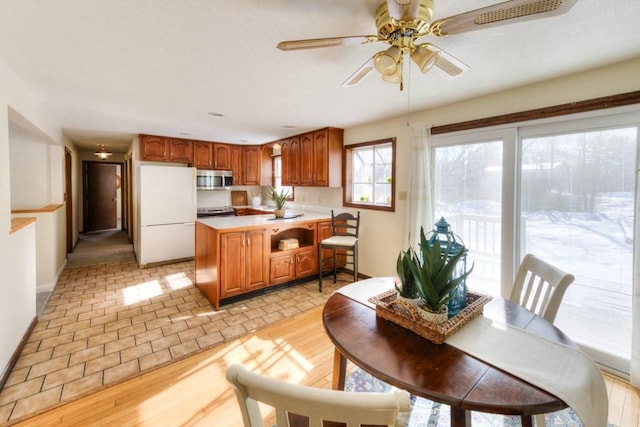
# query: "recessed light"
185,133
216,114
290,127
243,140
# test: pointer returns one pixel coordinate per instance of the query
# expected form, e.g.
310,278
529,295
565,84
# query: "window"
370,175
277,177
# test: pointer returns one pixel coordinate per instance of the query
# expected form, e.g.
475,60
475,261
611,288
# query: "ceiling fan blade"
360,73
448,65
500,14
325,42
403,10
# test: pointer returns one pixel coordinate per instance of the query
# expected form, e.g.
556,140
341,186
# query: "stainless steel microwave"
214,180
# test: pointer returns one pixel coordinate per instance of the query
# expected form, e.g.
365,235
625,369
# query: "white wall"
30,186
17,270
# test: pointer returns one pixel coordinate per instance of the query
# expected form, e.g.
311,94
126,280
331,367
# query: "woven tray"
405,315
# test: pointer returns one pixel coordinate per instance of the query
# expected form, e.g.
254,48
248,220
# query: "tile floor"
106,323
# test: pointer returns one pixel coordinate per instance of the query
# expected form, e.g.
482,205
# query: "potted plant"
407,289
433,272
279,198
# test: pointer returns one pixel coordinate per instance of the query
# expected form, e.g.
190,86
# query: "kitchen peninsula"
239,255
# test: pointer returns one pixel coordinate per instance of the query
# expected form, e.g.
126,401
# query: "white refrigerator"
167,207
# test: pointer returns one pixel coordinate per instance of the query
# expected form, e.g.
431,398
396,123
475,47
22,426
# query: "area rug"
425,413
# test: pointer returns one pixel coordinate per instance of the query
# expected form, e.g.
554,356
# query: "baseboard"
16,354
51,285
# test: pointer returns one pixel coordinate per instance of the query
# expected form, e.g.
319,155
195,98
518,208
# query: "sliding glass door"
577,208
564,191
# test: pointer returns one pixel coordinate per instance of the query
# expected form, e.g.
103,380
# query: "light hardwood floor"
194,391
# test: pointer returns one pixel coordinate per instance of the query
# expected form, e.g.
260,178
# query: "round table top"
439,372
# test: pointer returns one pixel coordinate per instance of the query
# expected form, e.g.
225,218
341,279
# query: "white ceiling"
108,69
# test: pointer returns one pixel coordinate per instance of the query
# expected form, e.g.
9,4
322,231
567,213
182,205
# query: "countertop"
251,221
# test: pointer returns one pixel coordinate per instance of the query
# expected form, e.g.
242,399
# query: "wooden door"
68,199
100,195
306,159
256,259
232,266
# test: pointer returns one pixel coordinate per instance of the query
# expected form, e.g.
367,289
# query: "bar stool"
344,240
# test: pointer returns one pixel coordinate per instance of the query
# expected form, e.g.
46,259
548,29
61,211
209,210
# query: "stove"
216,211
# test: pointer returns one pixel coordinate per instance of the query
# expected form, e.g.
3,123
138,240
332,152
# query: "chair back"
345,224
351,408
540,287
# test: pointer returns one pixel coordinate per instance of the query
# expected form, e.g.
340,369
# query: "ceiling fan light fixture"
102,153
387,62
425,56
396,77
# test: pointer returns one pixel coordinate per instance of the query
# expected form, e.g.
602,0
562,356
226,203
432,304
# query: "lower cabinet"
236,262
245,267
290,265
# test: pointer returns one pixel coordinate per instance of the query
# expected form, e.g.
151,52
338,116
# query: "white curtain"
419,195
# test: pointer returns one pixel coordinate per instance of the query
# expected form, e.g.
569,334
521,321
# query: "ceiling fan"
401,23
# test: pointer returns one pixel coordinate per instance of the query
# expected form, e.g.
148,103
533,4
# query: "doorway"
101,196
68,199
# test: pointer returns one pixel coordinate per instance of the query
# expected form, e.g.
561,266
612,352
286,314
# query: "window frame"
347,173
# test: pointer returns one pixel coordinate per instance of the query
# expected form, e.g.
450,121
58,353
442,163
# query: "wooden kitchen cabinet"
153,148
165,149
203,155
306,262
180,150
230,262
313,159
285,266
252,165
236,164
290,153
245,265
222,156
281,268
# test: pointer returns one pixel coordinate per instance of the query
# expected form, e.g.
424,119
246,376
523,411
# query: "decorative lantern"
450,245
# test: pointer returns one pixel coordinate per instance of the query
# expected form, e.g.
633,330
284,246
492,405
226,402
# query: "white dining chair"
297,402
539,287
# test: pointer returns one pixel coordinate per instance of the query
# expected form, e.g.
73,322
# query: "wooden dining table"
438,372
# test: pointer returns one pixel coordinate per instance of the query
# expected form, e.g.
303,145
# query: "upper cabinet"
203,155
313,159
290,152
212,155
252,165
165,149
221,156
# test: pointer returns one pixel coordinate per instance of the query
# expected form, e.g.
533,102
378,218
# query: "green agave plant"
433,272
279,198
408,288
